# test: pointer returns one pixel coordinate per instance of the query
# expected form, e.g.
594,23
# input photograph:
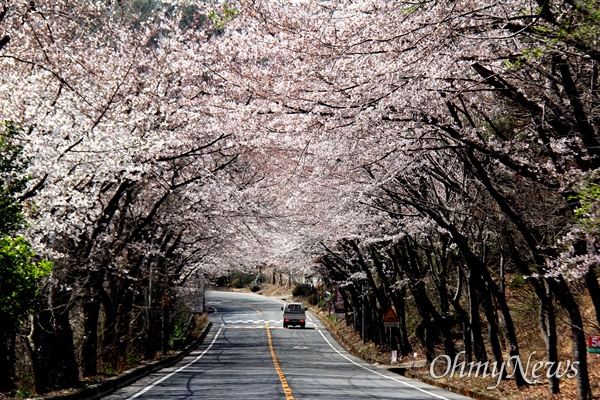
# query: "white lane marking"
252,327
240,315
144,390
252,321
380,374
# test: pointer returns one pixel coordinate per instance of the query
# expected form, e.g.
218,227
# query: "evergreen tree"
20,273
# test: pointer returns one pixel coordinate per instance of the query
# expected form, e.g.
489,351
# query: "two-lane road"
248,355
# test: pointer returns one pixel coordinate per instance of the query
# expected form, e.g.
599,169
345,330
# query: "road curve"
248,355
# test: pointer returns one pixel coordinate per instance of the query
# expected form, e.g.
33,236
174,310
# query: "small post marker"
593,344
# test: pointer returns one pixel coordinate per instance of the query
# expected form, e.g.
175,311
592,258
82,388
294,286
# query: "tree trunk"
466,329
474,321
400,302
467,335
429,336
475,266
108,352
493,330
548,327
591,281
124,334
563,294
55,365
7,359
91,312
462,316
152,339
433,322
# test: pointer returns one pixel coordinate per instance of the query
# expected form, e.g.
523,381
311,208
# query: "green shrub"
517,282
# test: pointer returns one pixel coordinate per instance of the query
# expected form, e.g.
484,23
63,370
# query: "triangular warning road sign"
390,316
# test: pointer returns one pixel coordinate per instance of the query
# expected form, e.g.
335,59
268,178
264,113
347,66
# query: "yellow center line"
255,309
284,384
244,304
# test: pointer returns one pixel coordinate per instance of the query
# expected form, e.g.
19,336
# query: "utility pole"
362,327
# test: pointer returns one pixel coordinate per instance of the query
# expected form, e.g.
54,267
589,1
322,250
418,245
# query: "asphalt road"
248,355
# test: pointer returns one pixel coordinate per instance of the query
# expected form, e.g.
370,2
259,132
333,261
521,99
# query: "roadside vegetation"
522,302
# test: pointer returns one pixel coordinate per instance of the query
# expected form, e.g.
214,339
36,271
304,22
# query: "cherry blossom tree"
131,153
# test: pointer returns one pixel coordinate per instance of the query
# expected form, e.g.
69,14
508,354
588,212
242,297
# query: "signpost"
594,344
391,321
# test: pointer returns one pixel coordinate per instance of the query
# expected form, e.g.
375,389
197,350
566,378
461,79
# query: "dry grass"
267,289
